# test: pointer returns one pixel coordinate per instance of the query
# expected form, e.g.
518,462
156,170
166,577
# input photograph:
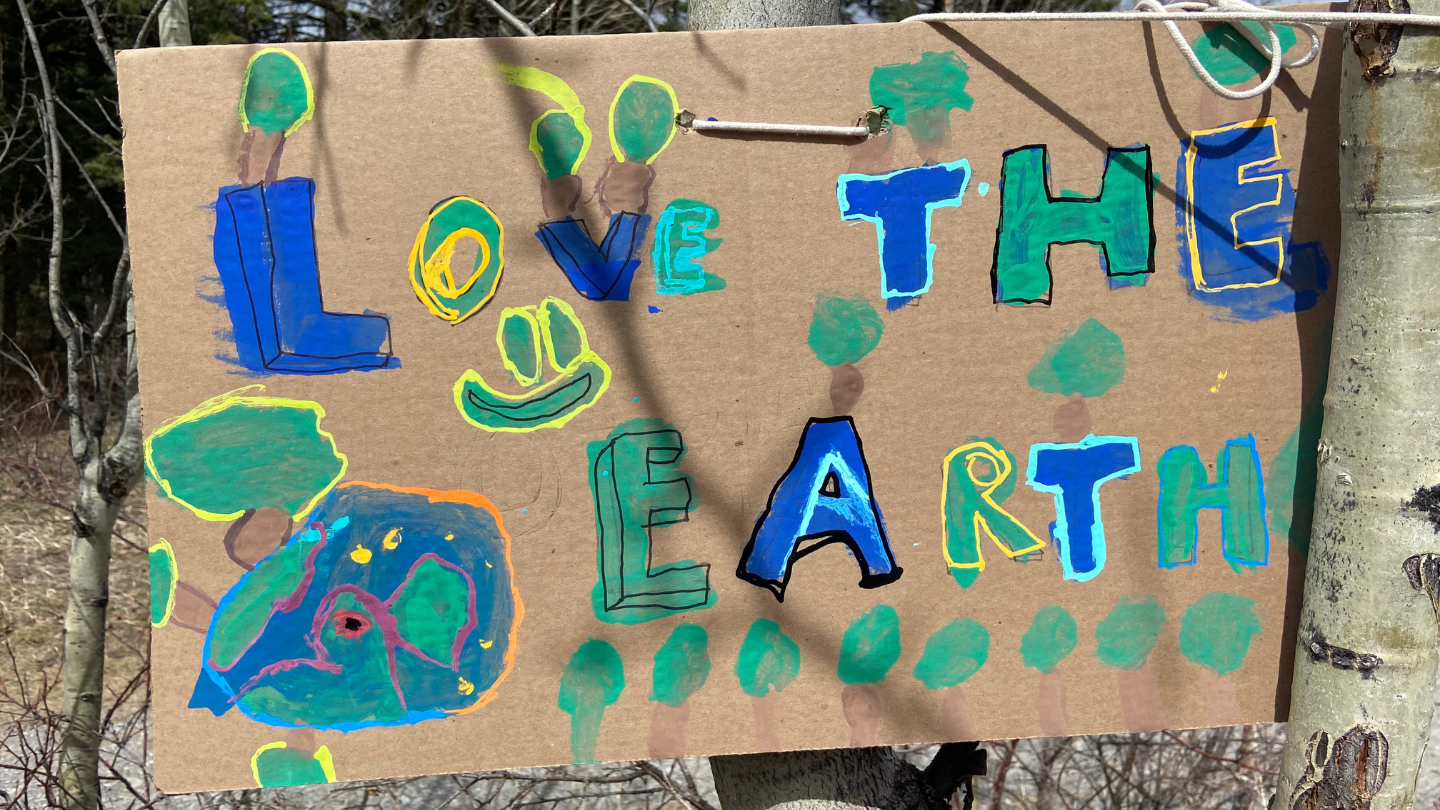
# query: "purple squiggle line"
285,604
473,619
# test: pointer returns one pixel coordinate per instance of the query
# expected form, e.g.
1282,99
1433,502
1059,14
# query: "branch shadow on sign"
1074,124
822,650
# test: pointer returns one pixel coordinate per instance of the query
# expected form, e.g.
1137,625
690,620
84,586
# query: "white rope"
1270,48
1253,14
1213,11
687,120
779,129
1225,11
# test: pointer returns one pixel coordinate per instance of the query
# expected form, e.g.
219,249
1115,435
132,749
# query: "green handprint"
524,334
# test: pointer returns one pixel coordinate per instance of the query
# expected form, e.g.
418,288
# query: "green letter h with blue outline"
1239,494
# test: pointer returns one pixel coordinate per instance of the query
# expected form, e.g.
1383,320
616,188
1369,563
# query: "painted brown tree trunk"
955,715
667,730
1140,699
767,729
1050,705
861,704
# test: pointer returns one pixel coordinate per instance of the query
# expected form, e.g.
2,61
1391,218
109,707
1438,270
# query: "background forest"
90,127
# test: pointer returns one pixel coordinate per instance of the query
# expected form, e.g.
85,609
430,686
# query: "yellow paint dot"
466,687
392,540
485,645
1219,378
488,565
449,537
360,554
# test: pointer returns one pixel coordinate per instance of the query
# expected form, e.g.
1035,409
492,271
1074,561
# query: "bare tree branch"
550,9
106,142
149,18
510,19
630,4
119,291
97,31
684,793
105,206
1238,761
115,125
52,175
25,364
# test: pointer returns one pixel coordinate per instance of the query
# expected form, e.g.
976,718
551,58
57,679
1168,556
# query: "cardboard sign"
494,421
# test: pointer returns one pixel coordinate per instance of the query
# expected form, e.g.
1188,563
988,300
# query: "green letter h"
1239,494
1120,222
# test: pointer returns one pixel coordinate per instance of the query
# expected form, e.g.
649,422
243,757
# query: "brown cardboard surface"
400,126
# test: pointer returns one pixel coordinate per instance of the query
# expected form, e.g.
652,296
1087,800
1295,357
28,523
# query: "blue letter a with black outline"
824,497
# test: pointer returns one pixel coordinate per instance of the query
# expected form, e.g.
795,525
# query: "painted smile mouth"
541,408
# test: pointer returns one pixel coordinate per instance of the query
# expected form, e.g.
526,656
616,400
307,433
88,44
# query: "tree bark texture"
107,473
806,780
1365,661
336,24
106,478
174,23
841,779
83,669
712,15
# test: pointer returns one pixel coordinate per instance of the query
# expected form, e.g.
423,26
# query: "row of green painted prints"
365,604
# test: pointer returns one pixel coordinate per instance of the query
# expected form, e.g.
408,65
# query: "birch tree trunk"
845,778
106,477
107,473
175,23
714,15
1366,652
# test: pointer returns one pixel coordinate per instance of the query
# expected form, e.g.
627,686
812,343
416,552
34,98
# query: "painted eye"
350,624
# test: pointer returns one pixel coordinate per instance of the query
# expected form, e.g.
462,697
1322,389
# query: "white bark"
175,23
107,474
808,780
1365,661
711,15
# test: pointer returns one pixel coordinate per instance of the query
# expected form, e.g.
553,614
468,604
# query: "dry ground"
36,485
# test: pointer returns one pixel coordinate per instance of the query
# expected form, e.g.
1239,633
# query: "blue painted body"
599,272
265,252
